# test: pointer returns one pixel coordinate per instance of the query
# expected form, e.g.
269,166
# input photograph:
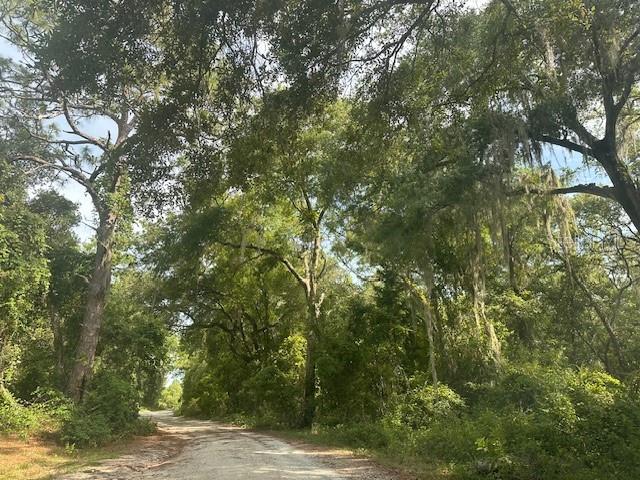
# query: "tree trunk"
423,296
99,285
314,307
428,318
58,343
625,190
432,350
309,393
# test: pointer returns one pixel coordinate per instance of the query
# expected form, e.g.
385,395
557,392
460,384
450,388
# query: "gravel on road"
188,449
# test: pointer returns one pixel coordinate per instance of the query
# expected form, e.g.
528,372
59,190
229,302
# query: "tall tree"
46,103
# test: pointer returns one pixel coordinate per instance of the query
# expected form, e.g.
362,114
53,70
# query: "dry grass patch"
37,459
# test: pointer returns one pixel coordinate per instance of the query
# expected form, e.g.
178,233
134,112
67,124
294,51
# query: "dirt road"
199,450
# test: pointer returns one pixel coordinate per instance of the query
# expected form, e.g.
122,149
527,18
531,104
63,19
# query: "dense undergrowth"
550,423
542,428
108,412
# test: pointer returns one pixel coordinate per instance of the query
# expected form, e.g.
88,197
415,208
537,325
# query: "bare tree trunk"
309,392
432,350
423,295
314,307
58,343
99,285
625,189
428,318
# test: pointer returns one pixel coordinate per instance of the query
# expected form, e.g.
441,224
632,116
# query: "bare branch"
75,130
76,174
57,142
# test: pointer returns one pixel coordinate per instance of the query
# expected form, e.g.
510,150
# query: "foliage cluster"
109,411
555,423
171,396
43,416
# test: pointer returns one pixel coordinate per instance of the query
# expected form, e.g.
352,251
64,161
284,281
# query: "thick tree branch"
565,143
590,188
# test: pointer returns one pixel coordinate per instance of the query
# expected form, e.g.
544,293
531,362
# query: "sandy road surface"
199,450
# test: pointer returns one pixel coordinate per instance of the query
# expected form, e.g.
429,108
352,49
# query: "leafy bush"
535,422
425,405
543,422
114,398
361,435
143,427
85,430
108,411
271,397
14,417
203,395
45,414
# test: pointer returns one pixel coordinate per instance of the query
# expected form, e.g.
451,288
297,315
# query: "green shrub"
360,435
270,397
86,430
143,427
113,398
108,411
535,422
203,395
550,423
422,406
15,417
45,414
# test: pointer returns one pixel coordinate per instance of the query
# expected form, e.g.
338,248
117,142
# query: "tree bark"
424,297
314,306
625,190
58,344
99,285
428,317
309,393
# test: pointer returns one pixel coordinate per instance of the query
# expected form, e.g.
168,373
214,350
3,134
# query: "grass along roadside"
40,459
